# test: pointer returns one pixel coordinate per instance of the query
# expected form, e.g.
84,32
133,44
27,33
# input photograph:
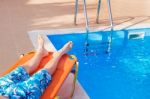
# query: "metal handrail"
76,12
98,11
110,14
111,25
87,23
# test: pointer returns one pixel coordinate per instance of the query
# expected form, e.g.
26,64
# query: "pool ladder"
87,21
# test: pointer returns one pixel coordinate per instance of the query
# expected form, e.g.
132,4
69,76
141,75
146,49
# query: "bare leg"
32,64
52,64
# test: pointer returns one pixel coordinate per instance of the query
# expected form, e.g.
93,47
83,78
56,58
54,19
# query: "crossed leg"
51,66
32,64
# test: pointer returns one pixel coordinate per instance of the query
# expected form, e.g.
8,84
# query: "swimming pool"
124,73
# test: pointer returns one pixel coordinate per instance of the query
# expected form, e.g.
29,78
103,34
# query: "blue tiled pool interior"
123,73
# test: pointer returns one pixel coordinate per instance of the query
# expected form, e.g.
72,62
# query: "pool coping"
50,47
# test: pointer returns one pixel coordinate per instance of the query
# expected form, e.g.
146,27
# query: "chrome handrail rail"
98,11
111,25
76,12
110,15
87,21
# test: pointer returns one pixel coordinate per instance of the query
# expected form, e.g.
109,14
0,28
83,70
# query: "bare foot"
52,64
41,50
64,49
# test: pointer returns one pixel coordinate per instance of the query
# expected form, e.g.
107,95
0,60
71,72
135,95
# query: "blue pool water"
124,73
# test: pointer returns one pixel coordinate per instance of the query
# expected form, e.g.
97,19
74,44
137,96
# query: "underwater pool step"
136,35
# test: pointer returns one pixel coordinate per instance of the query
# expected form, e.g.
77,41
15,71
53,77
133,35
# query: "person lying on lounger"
19,85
